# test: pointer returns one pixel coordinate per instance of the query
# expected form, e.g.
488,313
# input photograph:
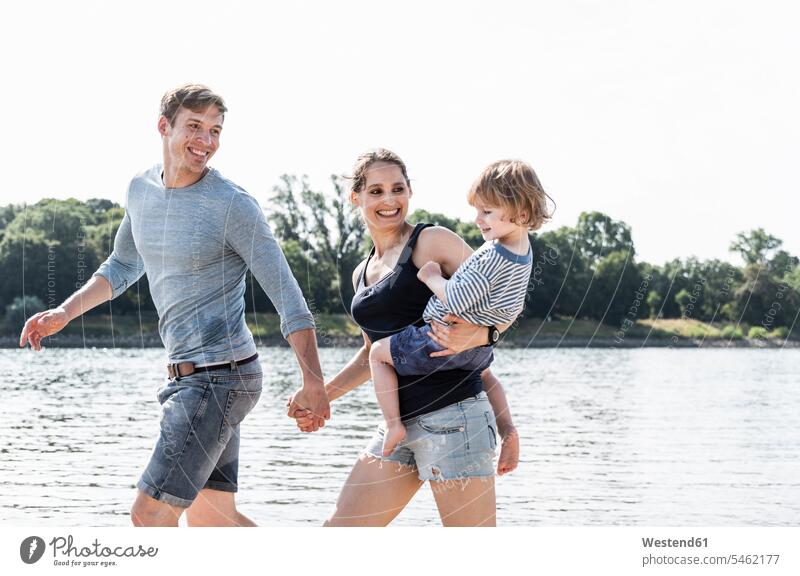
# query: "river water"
609,437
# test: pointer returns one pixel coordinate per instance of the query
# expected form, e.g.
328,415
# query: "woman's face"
384,198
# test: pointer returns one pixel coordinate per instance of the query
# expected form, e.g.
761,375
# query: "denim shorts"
453,443
199,442
411,348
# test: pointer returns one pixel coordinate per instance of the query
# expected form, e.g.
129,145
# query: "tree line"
50,248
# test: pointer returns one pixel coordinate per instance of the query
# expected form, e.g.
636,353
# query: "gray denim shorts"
199,442
453,443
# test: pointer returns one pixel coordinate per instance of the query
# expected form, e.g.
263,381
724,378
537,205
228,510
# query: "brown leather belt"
180,370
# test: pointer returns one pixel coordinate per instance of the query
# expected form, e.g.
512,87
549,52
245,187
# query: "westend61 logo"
95,554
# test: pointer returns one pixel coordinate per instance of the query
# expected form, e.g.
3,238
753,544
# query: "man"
194,234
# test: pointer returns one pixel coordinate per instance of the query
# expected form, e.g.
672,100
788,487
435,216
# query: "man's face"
192,139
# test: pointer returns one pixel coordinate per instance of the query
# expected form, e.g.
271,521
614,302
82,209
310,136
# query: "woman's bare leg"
468,502
374,493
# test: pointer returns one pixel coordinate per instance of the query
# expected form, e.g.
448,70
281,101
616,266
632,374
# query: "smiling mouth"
389,213
198,153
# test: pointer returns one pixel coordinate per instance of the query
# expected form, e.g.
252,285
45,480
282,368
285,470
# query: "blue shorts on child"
411,349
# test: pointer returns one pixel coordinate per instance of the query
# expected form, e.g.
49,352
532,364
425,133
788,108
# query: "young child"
488,289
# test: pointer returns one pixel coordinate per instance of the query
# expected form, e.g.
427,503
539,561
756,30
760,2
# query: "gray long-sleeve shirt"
195,245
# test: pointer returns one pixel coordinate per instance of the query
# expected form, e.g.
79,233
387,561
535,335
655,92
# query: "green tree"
327,240
764,296
654,301
100,207
615,288
683,299
599,234
287,219
792,279
753,298
20,310
44,252
561,278
435,218
721,279
467,230
667,281
781,263
755,246
7,215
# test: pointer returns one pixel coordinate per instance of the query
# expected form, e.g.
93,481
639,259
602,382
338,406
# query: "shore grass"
138,330
328,325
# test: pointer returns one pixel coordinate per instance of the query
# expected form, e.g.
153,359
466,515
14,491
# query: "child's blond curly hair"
513,186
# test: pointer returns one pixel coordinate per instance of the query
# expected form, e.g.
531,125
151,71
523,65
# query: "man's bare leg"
147,511
216,508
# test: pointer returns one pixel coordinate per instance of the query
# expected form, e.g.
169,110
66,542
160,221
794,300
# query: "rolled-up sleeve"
124,266
247,233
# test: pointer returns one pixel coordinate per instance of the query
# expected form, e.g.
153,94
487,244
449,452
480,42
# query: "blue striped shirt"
487,289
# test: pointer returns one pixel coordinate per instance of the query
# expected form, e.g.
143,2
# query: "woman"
450,421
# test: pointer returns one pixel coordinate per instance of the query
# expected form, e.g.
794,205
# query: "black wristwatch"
494,336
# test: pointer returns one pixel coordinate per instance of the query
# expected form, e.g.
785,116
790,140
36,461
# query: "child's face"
493,222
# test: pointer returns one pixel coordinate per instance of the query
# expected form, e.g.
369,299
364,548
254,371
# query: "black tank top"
389,305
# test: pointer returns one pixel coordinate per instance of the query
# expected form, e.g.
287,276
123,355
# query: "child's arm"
431,275
509,438
460,292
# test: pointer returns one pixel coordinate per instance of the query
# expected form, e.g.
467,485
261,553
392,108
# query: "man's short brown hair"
195,97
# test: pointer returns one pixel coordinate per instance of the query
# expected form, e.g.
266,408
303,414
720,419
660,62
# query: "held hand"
41,325
460,335
314,399
305,420
428,271
509,453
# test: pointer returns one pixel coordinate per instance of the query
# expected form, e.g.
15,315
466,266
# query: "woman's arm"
353,375
356,371
509,438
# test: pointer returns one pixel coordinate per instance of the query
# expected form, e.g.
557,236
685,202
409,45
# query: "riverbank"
338,330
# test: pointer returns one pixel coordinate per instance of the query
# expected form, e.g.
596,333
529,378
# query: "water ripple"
609,437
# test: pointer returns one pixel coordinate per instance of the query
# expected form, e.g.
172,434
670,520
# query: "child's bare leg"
385,380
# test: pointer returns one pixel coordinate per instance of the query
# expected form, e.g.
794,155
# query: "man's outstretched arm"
46,323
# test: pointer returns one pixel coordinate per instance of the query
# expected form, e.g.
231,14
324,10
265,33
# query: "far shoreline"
339,330
69,341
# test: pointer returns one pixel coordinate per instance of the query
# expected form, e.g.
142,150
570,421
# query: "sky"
679,118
